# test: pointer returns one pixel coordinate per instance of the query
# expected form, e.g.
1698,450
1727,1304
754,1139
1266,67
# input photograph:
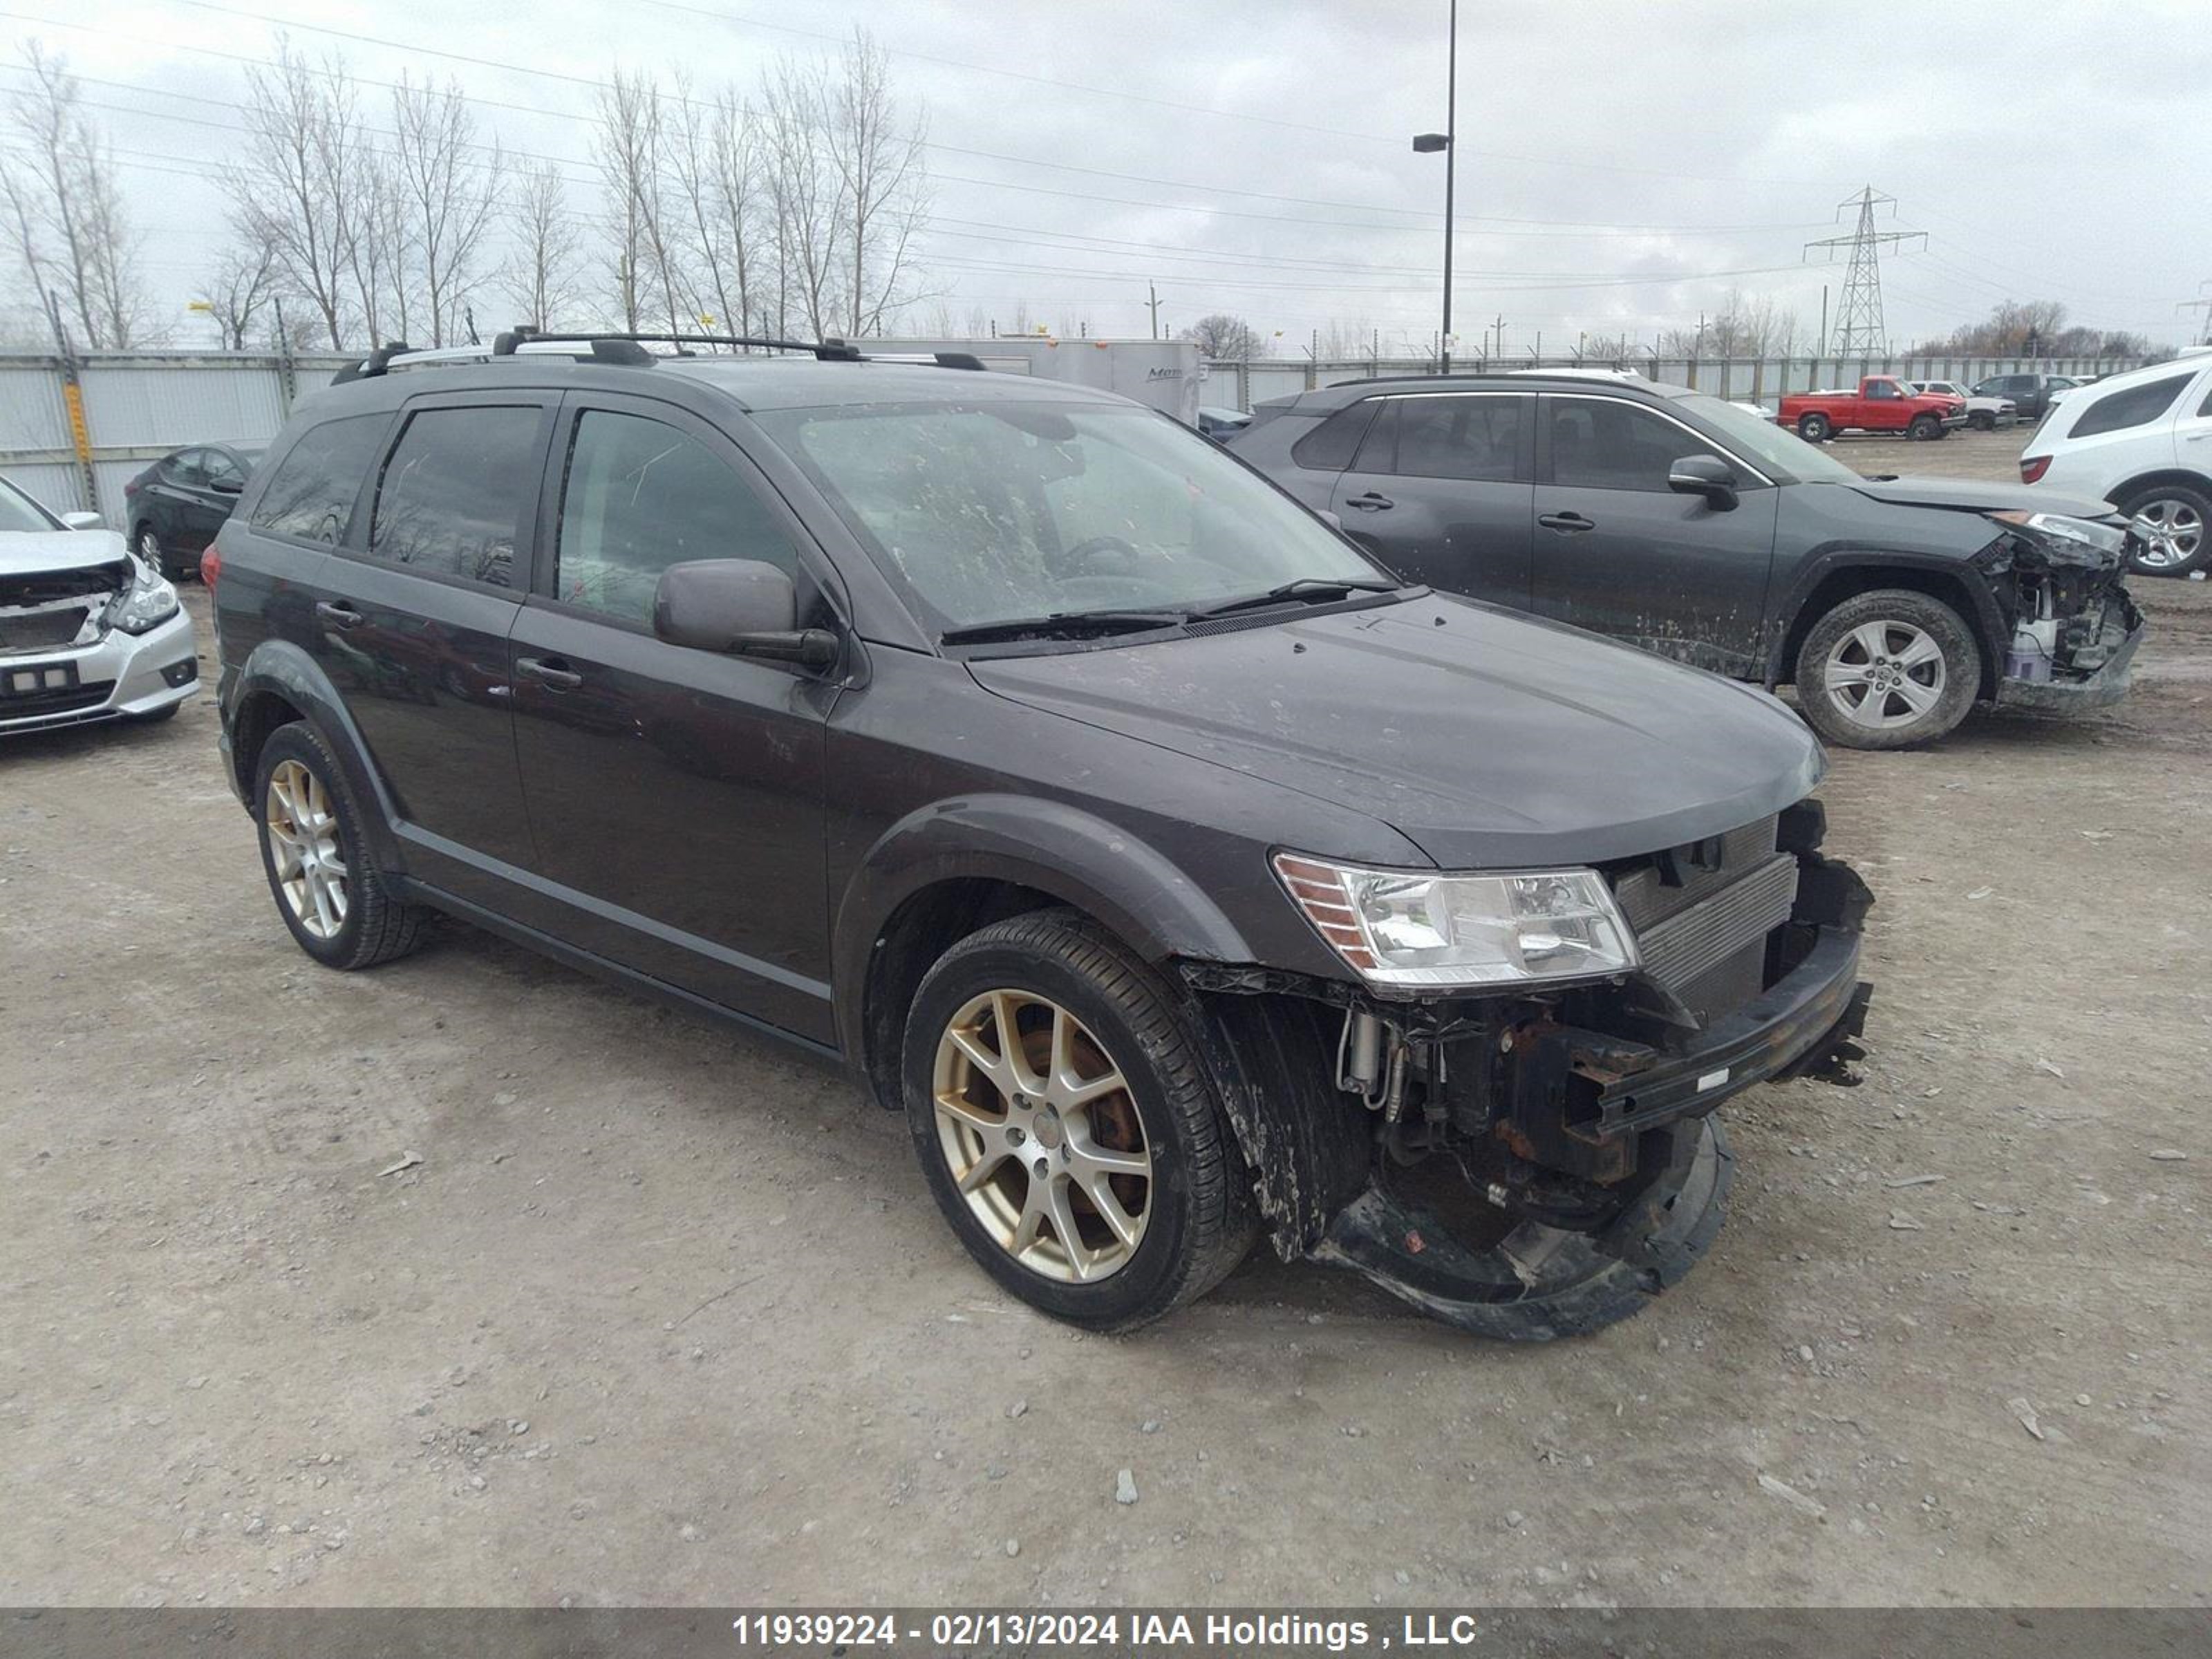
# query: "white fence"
139,406
1750,379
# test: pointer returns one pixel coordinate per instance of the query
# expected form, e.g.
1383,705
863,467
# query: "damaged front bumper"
2099,687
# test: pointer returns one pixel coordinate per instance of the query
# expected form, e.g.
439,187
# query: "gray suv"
1696,529
1179,874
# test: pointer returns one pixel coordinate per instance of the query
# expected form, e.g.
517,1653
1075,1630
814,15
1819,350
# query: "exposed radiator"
1694,942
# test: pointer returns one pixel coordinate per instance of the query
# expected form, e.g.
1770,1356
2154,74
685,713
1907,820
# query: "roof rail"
627,350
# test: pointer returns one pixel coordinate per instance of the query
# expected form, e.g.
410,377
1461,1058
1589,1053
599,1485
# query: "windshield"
992,511
19,511
1769,446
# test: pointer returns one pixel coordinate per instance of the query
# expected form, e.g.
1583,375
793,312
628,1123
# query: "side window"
188,467
2136,406
456,486
1601,444
311,494
640,496
2205,408
1329,447
1477,439
1883,389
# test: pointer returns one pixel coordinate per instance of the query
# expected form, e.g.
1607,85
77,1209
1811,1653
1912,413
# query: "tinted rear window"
1329,447
2136,406
311,494
452,495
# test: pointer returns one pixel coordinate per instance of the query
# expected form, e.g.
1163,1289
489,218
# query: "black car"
2032,395
1692,527
1179,873
176,506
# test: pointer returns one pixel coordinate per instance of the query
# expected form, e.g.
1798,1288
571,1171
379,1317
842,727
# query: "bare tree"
882,183
643,263
807,197
66,211
240,287
1743,327
545,241
301,185
447,197
1224,337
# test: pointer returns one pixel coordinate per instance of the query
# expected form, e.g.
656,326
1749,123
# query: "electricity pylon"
1860,332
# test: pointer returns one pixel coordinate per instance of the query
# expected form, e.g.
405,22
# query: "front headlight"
1402,928
148,603
2058,528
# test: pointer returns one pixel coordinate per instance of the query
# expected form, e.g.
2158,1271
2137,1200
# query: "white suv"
2142,440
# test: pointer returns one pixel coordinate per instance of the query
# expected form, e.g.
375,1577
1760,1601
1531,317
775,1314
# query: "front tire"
333,897
1925,428
2170,520
1888,669
1069,1127
1814,429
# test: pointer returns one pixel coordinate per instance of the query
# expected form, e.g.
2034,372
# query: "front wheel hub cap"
1884,674
1042,1136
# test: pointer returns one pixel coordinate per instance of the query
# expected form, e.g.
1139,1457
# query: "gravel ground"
662,1313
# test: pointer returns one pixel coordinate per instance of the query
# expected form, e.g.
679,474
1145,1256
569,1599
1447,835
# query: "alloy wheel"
149,550
1885,674
1042,1137
303,833
2171,531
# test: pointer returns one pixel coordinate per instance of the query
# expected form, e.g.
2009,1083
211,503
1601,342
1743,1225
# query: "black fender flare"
1989,623
1071,855
280,668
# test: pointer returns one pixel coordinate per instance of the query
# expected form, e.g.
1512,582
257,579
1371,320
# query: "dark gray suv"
1696,529
1177,872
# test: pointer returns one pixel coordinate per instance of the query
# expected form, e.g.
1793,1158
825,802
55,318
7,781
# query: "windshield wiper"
1063,625
1317,589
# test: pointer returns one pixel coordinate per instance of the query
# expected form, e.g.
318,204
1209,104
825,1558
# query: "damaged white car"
87,632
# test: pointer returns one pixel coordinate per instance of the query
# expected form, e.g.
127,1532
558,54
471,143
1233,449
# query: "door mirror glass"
738,605
1706,476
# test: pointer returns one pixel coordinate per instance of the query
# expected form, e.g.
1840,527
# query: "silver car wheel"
2171,531
1042,1134
303,835
1885,675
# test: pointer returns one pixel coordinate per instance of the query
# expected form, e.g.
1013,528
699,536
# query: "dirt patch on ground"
664,1313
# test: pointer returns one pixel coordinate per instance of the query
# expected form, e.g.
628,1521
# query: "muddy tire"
1925,428
2171,519
1067,1125
334,901
1888,669
1814,428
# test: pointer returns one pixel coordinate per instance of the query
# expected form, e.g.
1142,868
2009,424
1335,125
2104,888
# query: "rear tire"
1888,669
1008,1170
2171,519
333,897
1814,429
147,544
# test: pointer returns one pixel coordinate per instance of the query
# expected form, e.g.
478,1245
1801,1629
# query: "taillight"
130,489
210,567
2033,467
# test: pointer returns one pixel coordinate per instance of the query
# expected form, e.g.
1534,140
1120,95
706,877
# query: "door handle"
548,671
1567,523
1371,502
340,615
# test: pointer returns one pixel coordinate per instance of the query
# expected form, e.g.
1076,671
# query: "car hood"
1963,496
1487,739
36,552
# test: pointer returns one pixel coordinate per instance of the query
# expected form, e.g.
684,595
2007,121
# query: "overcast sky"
1621,165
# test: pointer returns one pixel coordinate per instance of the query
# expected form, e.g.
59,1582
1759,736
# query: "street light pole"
1427,143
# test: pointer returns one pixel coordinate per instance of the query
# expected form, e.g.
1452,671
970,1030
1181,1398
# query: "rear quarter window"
1330,446
2138,405
311,494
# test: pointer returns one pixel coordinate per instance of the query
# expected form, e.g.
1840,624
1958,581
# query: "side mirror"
738,605
1329,519
1704,475
80,521
228,486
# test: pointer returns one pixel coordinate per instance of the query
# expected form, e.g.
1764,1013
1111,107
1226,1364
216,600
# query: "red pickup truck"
1883,404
